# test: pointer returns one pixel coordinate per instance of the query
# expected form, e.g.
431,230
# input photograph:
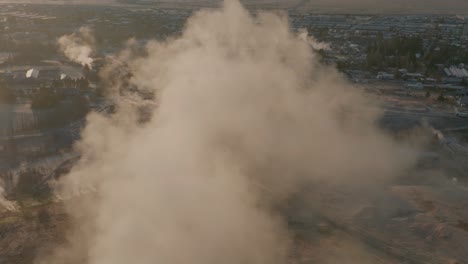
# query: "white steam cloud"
79,46
4,202
313,42
245,115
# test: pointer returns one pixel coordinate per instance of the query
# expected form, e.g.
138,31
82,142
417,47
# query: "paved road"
73,128
443,120
453,129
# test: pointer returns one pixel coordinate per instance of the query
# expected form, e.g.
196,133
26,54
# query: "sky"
338,6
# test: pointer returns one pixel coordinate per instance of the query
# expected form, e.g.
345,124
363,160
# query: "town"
413,67
45,97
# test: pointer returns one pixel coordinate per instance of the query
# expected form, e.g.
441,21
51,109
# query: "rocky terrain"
33,230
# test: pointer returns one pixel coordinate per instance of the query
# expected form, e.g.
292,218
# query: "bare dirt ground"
32,231
401,224
421,218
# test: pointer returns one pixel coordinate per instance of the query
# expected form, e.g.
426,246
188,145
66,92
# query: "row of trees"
58,111
76,108
55,109
402,52
396,46
7,95
45,99
446,54
80,83
399,52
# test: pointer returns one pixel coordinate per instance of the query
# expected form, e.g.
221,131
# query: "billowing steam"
78,46
313,42
245,115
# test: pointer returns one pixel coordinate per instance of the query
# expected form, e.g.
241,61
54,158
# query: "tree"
83,84
6,94
78,107
43,217
28,182
86,70
57,84
428,94
45,99
374,59
441,97
397,74
464,82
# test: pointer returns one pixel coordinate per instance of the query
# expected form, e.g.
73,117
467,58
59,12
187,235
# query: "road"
73,128
444,120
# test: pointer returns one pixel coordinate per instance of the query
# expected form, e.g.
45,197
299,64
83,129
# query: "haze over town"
316,6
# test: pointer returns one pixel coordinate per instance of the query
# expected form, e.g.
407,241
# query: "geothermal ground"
420,218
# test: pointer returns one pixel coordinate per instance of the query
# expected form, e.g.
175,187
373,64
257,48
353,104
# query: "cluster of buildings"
447,27
26,80
439,62
456,71
29,58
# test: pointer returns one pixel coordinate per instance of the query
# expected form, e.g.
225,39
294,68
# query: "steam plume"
314,43
4,202
78,46
242,103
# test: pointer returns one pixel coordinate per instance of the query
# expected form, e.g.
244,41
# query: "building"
385,76
465,30
463,102
32,73
457,72
414,86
